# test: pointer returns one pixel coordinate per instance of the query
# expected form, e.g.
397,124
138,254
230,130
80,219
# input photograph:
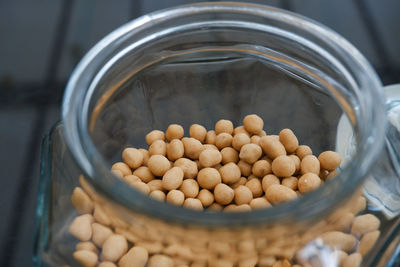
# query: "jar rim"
305,208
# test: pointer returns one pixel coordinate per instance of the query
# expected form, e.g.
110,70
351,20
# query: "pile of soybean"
229,169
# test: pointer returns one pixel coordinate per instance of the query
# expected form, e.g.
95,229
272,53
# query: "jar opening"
204,62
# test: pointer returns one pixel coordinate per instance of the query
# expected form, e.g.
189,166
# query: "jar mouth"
371,129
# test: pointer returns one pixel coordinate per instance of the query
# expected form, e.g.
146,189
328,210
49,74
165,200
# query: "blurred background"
42,41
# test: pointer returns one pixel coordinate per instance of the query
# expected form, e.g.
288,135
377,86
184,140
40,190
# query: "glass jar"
197,64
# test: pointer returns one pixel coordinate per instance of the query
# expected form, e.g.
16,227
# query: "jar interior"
193,74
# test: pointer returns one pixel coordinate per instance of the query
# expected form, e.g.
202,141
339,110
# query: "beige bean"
81,201
296,161
363,224
190,188
255,139
283,166
340,256
223,194
310,163
214,262
210,157
158,165
353,260
243,195
261,168
224,126
174,131
277,193
158,194
132,157
210,137
239,208
230,173
172,179
266,261
86,258
136,256
100,233
131,179
142,187
152,247
193,203
198,132
339,240
193,147
144,173
86,245
188,166
269,180
288,140
308,182
175,197
245,168
158,147
118,173
272,147
250,153
100,215
123,167
145,155
155,184
303,151
242,181
154,135
229,155
210,146
208,178
290,182
367,242
114,247
175,149
107,264
329,160
253,124
259,203
81,227
223,140
240,140
359,205
206,197
248,262
215,207
240,129
159,260
255,187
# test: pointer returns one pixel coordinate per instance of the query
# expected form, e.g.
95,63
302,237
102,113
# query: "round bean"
308,182
310,163
175,150
132,157
329,160
114,247
81,201
172,179
174,131
250,153
193,203
206,197
253,123
190,188
175,197
363,224
245,168
303,151
223,140
144,174
123,167
188,166
224,126
158,165
229,155
255,187
193,147
283,166
230,173
240,140
259,203
81,227
86,258
288,140
208,178
269,180
159,260
210,137
136,256
158,194
277,193
223,194
210,157
100,234
198,132
272,147
243,195
154,135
